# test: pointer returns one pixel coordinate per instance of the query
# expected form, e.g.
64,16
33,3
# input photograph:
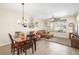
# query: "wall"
70,19
8,23
78,24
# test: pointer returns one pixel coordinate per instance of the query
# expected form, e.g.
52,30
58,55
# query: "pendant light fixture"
24,21
23,18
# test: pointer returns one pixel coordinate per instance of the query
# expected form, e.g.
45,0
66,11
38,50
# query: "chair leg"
34,44
32,50
21,50
13,51
25,52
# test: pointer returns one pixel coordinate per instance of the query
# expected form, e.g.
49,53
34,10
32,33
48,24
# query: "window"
58,25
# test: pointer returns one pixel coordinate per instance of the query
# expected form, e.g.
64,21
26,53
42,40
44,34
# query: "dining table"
20,41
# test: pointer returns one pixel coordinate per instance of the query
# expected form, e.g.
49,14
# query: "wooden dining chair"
14,45
28,44
33,37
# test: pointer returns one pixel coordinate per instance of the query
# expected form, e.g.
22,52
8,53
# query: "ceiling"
43,10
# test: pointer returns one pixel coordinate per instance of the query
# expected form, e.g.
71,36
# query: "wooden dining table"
20,40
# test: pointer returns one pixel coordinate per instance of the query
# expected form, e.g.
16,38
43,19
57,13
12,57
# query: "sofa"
42,34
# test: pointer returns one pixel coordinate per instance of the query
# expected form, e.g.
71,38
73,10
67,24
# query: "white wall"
78,23
8,23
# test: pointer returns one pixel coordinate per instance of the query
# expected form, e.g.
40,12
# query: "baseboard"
61,37
5,44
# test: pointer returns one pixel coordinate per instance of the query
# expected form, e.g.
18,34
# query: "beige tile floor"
45,47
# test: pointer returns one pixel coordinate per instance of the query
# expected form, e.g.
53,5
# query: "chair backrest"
30,38
17,34
11,38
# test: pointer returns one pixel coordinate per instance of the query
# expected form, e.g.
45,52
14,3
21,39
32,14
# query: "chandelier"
23,22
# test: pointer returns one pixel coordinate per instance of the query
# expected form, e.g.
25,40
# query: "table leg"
35,44
18,50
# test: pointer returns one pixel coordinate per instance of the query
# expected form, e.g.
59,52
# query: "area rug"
63,41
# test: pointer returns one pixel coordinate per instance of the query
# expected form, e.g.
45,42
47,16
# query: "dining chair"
14,45
28,44
33,37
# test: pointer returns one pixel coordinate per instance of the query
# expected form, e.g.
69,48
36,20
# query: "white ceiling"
44,10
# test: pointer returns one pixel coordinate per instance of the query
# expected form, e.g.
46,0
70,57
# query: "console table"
74,40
